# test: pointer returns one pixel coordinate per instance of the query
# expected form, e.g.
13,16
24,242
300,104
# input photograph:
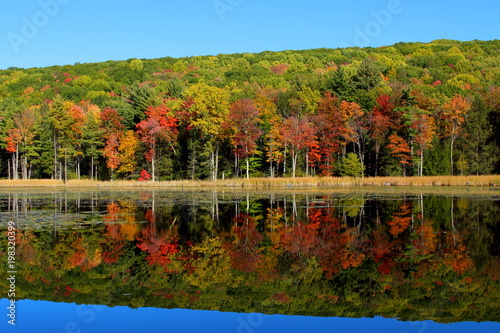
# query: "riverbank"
300,182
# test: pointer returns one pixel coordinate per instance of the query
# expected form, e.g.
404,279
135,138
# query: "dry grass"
264,183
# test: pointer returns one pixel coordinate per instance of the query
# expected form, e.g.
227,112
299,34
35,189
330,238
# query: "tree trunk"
235,161
452,142
421,171
15,166
216,161
78,168
294,163
212,164
271,169
65,167
92,168
55,156
307,163
284,162
248,167
153,168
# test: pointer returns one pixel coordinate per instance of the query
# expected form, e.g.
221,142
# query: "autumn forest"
410,109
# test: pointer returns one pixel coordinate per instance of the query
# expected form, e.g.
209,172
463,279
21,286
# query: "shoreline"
267,183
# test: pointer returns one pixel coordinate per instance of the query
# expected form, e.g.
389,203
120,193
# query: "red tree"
244,116
158,126
299,134
113,130
328,128
380,124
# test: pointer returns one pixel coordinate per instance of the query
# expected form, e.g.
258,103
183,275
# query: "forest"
410,109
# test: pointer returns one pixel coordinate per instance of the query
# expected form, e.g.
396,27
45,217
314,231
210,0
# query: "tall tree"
454,114
159,126
92,133
20,140
61,121
210,109
424,126
112,127
299,134
270,124
355,128
400,149
244,115
129,145
329,128
380,124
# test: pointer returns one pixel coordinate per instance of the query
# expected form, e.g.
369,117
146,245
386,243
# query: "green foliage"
351,166
199,91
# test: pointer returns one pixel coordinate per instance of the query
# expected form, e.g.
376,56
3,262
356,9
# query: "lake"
392,260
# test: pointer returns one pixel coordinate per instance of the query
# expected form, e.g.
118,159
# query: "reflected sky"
50,317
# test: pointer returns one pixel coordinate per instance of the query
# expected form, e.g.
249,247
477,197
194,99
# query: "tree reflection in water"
414,257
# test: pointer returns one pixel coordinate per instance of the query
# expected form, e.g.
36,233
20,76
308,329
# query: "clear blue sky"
68,31
49,317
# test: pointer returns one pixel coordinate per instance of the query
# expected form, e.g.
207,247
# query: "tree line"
407,109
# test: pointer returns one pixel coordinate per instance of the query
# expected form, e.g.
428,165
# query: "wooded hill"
406,109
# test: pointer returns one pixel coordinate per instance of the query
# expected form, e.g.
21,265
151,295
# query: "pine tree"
351,166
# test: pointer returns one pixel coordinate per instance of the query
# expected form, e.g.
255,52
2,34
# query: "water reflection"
411,257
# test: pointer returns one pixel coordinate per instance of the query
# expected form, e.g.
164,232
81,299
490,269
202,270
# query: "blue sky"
49,317
37,33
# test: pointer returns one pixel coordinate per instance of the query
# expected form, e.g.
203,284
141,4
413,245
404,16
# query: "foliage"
396,107
351,166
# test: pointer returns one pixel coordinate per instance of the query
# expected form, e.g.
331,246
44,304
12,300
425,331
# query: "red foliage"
158,126
113,131
244,116
280,68
281,298
13,139
144,175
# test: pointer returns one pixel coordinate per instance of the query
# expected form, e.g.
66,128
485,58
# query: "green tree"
351,166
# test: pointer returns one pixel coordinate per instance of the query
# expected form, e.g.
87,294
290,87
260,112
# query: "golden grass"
263,183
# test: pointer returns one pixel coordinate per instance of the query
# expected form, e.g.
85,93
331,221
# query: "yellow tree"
21,138
354,129
454,114
127,150
210,110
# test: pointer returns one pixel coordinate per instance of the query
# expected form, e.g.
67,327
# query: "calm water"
253,262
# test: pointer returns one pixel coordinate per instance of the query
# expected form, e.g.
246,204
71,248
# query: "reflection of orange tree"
245,250
401,219
74,250
336,246
457,256
121,226
425,244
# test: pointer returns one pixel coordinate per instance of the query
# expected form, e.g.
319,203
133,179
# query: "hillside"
406,109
